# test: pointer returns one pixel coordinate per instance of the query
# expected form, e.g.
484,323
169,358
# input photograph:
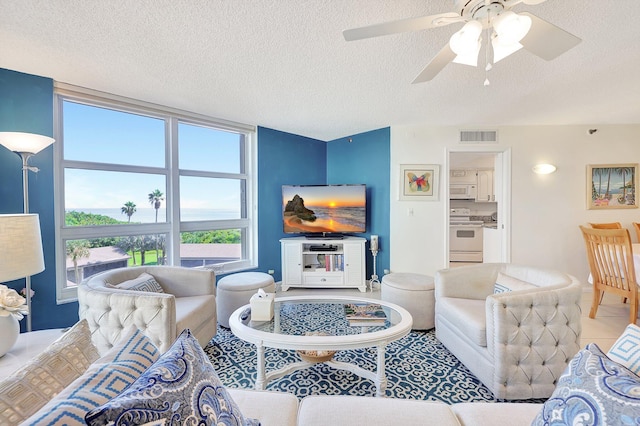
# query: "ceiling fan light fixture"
466,44
502,50
511,27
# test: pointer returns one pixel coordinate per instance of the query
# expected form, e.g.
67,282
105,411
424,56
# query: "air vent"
478,136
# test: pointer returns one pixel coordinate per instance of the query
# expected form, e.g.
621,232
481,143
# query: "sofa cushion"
496,413
271,407
626,350
364,410
192,311
180,386
468,316
103,380
506,283
44,376
593,390
144,282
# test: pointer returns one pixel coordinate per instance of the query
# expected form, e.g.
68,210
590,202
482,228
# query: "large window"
145,185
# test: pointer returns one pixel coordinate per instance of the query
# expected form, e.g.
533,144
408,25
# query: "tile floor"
611,319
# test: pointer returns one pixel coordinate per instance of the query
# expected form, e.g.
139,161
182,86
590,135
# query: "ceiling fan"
507,31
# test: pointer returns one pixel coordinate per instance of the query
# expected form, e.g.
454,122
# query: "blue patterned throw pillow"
593,390
144,282
626,350
181,387
104,379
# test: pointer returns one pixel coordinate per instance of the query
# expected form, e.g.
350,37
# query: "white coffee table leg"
260,380
381,377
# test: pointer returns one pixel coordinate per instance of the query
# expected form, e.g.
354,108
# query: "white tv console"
323,263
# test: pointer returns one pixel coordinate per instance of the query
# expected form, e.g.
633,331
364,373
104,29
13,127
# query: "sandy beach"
293,223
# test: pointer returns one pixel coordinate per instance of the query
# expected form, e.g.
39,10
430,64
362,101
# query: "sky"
106,136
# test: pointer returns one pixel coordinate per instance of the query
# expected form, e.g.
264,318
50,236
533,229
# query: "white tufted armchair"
188,301
518,342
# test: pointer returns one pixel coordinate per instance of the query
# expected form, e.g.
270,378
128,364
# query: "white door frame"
503,194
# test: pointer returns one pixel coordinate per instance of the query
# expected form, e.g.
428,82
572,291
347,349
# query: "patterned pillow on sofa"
144,282
181,387
626,350
507,283
593,390
105,379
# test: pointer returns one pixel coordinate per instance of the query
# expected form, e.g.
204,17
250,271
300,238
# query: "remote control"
245,314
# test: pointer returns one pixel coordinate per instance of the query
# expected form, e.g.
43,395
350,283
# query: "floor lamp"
26,145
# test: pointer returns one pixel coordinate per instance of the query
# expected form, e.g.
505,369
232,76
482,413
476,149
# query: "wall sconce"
26,145
544,169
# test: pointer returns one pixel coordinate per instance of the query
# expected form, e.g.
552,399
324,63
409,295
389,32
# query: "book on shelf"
364,314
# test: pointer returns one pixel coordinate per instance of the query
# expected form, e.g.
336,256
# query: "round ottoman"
235,290
414,292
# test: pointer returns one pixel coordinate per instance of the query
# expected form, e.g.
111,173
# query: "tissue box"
262,307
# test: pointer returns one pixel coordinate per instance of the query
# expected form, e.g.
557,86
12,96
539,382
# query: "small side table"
27,346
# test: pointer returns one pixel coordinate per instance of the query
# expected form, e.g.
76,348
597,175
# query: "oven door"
465,243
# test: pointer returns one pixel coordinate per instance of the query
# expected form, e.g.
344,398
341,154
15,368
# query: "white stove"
465,236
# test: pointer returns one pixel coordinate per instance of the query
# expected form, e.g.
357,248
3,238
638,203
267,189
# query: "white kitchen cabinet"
323,263
486,191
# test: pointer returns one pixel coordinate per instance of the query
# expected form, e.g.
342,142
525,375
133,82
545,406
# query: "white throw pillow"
626,350
506,283
44,376
144,282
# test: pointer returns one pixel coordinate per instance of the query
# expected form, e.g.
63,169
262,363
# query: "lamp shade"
466,41
20,246
511,27
25,142
544,169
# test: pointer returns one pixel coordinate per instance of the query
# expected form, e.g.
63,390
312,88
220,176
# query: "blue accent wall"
283,159
26,105
365,158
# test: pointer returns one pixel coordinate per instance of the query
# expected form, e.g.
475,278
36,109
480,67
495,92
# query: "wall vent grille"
478,136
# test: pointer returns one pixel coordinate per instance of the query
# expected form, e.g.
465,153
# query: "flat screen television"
328,211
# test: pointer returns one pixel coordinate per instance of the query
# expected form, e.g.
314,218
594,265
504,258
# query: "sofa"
162,305
95,386
514,327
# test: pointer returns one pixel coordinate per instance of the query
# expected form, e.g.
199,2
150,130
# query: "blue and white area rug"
418,366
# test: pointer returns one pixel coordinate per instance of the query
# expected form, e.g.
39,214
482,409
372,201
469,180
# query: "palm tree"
129,209
155,199
77,250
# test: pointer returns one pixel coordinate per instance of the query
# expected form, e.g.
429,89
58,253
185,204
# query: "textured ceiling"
284,64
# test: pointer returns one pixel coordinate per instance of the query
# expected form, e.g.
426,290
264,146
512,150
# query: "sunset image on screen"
333,208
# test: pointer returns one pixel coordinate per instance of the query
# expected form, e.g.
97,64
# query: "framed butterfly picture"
419,182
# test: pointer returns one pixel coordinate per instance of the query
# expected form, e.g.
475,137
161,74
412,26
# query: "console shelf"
312,263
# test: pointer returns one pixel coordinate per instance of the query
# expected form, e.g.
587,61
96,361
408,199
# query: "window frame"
172,228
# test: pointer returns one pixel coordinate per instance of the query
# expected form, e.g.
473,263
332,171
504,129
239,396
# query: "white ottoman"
235,290
414,292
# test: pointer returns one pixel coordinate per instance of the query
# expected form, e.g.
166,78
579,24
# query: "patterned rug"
418,366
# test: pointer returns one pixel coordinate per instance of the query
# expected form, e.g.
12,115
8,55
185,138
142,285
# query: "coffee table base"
378,377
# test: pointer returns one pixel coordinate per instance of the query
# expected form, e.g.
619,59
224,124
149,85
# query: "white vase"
9,330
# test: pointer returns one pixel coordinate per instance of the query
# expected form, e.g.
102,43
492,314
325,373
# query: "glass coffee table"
317,325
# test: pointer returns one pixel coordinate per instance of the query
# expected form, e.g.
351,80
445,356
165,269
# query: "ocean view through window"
123,200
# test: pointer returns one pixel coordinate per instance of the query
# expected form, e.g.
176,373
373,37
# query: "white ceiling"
284,64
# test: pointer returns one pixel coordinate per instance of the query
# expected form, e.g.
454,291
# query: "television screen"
324,209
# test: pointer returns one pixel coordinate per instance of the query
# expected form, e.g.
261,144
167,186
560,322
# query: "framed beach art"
612,186
419,182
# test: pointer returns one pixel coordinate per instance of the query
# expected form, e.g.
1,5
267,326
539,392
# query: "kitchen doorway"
489,203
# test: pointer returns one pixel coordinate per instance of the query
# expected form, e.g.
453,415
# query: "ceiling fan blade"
546,40
436,65
533,2
401,26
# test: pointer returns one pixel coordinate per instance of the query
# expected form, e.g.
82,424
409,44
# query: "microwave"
462,191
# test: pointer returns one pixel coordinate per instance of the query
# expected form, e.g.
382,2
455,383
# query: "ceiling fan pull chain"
488,65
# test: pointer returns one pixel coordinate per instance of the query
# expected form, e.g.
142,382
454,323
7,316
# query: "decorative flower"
11,303
23,292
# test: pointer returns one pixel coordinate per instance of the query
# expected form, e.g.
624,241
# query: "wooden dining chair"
636,226
610,256
609,225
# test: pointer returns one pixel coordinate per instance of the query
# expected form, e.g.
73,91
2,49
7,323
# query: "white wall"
546,209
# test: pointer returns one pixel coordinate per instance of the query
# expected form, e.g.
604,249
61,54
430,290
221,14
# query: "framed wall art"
612,186
419,182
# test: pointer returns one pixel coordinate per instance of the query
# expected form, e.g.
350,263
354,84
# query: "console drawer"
322,279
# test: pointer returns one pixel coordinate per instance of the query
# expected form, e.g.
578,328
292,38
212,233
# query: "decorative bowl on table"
315,356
